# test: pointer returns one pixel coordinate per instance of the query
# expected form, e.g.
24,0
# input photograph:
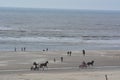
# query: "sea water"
37,29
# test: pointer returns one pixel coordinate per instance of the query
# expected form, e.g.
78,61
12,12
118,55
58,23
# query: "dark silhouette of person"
15,49
24,48
21,49
61,59
70,53
83,52
35,64
54,60
46,49
84,63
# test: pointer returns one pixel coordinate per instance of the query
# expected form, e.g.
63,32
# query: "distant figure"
61,59
35,66
15,49
21,49
70,53
54,60
83,65
46,49
24,49
83,52
34,63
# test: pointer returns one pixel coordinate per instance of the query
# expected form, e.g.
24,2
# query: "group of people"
69,53
22,49
45,49
61,59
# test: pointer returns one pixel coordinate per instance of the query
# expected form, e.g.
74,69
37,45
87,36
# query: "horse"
35,66
43,65
90,63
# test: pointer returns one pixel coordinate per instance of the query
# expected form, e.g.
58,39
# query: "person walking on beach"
54,60
46,49
21,49
24,49
83,52
70,53
61,59
15,49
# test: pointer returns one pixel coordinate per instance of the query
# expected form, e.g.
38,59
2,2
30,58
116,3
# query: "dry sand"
96,75
16,65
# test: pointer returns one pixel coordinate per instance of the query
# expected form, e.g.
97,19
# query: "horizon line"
59,9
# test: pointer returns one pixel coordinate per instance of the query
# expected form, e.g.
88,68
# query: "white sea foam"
41,39
104,41
57,40
5,28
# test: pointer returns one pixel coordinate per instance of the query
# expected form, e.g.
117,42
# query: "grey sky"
64,4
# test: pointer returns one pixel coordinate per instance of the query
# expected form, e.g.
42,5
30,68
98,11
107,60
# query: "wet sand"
16,65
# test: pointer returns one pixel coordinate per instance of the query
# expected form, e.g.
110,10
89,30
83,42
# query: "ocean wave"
103,41
100,37
5,28
56,39
40,39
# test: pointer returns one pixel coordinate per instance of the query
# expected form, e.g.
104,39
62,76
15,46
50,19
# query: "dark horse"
90,63
43,65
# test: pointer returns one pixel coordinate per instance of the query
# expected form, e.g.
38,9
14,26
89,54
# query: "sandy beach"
16,65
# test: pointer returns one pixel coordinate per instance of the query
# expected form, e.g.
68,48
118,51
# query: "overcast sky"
64,4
